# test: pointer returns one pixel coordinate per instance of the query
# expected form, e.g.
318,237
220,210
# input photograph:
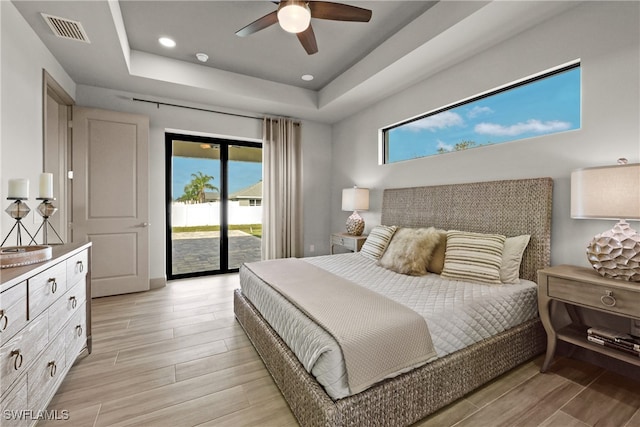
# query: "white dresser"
45,322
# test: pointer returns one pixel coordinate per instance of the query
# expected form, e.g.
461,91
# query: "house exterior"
249,196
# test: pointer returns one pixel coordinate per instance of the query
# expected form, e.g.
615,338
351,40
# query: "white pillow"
512,258
377,241
473,257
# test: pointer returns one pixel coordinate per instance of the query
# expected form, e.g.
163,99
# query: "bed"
512,208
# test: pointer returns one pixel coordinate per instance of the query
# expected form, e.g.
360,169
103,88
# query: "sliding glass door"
214,204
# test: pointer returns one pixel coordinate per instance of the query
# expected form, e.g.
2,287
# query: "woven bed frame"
512,208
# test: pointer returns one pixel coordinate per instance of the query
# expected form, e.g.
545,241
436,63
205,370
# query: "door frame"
56,149
224,143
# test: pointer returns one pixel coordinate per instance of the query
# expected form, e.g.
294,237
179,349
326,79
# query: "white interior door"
111,198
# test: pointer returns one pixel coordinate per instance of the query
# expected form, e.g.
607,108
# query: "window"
540,105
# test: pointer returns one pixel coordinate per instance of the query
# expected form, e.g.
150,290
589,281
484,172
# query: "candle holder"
17,210
46,210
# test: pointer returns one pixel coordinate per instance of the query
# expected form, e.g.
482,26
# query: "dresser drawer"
65,307
620,301
13,311
46,287
77,267
75,334
44,376
13,404
21,351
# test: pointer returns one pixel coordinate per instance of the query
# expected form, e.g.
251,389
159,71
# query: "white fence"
190,215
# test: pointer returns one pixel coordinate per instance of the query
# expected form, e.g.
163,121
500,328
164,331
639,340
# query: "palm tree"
194,191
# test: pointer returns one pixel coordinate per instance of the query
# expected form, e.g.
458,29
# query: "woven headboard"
513,207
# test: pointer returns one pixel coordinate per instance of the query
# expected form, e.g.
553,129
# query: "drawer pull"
79,266
54,285
4,321
74,301
52,368
17,363
608,299
79,330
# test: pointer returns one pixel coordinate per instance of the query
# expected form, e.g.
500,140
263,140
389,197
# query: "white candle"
46,186
18,188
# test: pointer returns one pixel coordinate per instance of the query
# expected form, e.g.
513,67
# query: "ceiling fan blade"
308,40
258,24
338,11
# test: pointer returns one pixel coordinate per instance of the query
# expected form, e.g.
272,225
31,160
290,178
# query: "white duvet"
458,313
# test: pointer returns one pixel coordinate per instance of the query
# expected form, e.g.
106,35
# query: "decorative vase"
355,224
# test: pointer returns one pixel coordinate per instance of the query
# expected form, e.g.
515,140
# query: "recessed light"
167,42
202,57
307,77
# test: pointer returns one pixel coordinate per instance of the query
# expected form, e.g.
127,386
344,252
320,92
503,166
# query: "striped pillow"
377,241
473,257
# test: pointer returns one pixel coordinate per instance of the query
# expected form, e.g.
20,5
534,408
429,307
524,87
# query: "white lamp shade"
609,192
355,199
294,16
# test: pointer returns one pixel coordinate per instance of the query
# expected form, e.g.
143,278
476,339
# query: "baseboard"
157,283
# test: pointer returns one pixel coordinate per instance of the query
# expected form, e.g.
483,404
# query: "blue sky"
241,174
545,106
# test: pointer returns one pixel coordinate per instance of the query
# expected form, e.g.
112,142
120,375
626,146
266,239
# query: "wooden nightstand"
353,243
584,287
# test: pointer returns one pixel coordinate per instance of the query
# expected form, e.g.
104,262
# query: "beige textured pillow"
473,257
410,250
512,257
436,263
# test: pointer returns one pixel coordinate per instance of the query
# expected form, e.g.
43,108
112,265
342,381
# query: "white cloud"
444,146
477,111
437,121
535,126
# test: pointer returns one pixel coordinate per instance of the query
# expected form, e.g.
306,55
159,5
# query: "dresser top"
11,276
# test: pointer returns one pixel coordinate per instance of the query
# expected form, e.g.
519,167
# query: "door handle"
144,225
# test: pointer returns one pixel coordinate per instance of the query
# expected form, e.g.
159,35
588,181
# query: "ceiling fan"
295,16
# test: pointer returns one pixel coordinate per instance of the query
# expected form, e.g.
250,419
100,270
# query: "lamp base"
616,253
355,224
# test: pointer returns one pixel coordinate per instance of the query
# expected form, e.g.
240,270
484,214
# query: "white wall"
23,57
316,142
603,35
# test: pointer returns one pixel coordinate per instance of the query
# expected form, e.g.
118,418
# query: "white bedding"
458,313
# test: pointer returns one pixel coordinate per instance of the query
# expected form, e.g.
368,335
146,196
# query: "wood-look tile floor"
176,357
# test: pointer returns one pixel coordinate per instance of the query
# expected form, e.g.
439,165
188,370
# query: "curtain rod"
159,103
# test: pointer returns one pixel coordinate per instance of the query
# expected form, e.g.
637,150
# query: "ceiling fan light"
294,16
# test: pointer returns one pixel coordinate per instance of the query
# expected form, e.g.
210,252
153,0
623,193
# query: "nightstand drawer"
348,243
614,300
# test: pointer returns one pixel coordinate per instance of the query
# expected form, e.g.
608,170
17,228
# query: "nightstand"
353,243
584,287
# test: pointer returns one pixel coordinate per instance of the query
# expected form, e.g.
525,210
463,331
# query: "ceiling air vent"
66,28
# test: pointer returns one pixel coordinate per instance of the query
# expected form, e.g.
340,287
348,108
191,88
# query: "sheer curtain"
282,188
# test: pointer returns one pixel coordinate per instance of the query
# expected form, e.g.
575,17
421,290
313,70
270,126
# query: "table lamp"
355,199
610,192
